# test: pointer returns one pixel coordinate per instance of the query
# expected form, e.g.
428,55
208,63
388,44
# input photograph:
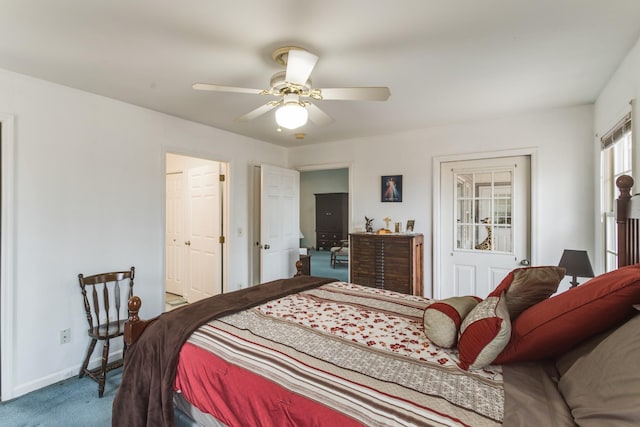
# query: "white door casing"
7,259
477,198
203,233
279,222
175,250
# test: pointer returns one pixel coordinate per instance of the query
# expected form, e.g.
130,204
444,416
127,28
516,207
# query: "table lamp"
577,264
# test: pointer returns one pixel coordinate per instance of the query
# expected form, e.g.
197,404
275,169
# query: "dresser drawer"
327,240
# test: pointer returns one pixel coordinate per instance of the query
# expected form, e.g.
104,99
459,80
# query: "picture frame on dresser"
410,224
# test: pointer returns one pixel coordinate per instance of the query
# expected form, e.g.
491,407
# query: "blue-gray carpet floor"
72,402
321,266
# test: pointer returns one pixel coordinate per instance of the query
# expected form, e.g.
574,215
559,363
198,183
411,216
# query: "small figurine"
387,220
369,224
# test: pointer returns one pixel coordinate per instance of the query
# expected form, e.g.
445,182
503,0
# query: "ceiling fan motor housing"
279,86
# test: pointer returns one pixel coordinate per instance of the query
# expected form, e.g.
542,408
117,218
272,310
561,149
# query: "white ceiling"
444,60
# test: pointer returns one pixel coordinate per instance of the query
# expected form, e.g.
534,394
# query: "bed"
311,351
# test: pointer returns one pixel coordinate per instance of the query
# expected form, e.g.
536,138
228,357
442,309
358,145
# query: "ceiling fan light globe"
291,116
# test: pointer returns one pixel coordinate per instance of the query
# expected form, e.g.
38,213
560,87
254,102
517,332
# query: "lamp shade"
576,263
291,116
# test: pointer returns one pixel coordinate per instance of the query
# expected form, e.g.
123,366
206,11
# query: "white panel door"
203,232
279,222
485,222
175,251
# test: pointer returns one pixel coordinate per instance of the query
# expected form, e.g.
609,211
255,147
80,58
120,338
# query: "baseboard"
61,375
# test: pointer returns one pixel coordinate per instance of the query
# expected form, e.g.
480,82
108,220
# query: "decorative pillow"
442,319
555,325
484,333
601,388
528,286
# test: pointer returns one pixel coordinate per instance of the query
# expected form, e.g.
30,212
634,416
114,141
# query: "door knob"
266,246
187,243
525,262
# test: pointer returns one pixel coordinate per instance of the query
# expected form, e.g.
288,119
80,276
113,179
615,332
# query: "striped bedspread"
359,351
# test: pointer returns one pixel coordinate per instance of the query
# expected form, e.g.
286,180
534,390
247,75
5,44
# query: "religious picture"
391,188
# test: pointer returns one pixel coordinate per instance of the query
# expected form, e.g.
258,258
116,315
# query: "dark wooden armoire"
331,219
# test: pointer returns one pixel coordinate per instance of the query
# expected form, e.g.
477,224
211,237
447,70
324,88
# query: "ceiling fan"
292,89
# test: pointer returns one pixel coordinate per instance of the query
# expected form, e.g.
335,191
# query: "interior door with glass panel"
485,222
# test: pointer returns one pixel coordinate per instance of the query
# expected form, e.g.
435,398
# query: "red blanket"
235,395
145,394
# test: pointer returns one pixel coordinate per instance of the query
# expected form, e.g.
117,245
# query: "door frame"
254,258
225,215
7,257
330,166
532,152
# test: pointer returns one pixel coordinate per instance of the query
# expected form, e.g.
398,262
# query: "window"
616,160
483,210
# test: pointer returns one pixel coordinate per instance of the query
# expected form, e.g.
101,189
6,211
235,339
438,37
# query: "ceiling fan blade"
257,112
317,116
300,64
356,93
218,88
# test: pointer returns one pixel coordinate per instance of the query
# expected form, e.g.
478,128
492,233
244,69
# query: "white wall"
610,107
563,194
89,185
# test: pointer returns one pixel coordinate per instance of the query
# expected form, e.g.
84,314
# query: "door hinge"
221,178
221,239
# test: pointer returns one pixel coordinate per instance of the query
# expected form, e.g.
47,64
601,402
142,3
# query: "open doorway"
195,223
329,187
312,180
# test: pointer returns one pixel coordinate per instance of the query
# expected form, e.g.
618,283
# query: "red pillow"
555,325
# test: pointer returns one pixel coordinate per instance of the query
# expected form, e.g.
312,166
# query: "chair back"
104,302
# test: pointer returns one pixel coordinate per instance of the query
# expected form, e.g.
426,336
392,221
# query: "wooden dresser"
388,261
331,219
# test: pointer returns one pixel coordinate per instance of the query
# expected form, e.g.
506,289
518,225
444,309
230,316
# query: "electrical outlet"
65,336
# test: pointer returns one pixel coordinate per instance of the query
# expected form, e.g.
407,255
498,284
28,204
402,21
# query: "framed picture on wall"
391,188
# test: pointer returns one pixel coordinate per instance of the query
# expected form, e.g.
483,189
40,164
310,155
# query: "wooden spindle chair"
102,304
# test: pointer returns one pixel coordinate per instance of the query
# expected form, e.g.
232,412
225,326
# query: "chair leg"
103,370
333,259
92,346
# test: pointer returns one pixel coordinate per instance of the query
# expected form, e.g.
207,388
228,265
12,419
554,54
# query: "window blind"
617,132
